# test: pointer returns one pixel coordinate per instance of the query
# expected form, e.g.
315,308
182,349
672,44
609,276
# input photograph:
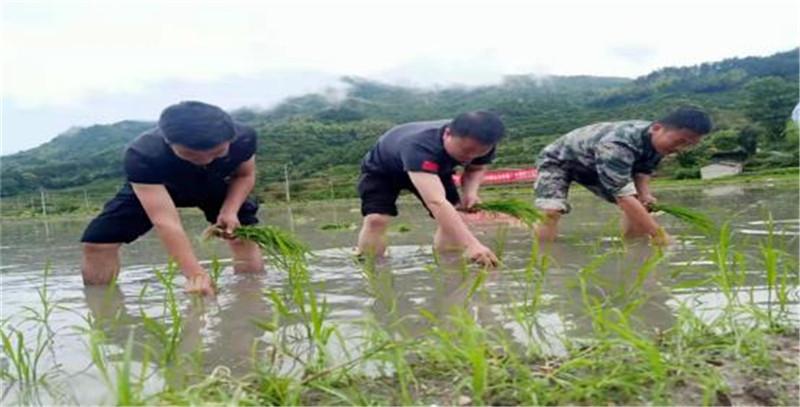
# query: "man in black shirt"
420,157
196,157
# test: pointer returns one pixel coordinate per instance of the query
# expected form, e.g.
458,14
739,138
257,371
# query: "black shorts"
379,192
123,218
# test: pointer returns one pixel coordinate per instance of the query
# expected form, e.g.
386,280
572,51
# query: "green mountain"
76,157
322,137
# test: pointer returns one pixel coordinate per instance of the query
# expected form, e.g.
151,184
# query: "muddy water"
222,331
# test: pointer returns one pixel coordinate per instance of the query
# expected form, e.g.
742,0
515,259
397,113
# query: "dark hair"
486,127
690,118
196,125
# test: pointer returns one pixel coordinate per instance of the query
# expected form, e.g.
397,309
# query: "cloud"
79,56
58,52
24,126
633,53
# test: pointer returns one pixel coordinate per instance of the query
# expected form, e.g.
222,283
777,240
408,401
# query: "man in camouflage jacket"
614,160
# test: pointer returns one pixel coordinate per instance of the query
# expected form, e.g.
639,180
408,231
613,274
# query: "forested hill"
323,136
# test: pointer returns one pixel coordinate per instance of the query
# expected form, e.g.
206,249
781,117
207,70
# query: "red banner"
509,176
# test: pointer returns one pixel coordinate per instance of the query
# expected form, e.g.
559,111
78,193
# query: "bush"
686,173
725,140
773,159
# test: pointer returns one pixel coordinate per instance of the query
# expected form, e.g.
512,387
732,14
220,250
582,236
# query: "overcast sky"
71,63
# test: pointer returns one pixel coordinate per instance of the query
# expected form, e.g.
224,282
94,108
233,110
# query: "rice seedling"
167,334
338,226
126,391
400,228
313,313
691,217
777,266
384,347
770,259
730,273
24,361
500,240
525,311
47,306
473,355
25,356
215,271
280,247
514,207
458,345
126,388
614,340
476,285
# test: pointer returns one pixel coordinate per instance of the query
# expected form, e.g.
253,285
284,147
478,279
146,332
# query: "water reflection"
221,331
410,293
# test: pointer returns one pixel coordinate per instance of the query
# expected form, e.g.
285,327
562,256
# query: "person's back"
149,159
197,156
579,145
614,160
579,153
420,157
386,157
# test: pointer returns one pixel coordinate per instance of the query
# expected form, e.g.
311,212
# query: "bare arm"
642,183
432,192
639,215
162,212
470,183
242,183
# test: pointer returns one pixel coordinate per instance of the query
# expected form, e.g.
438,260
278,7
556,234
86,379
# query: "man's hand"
240,185
452,225
642,184
162,212
228,222
468,203
199,283
638,221
661,238
647,200
482,255
470,183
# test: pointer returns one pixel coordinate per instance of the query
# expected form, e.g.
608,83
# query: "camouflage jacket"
604,155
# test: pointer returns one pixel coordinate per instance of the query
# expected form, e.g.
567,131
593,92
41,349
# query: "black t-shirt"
415,147
150,160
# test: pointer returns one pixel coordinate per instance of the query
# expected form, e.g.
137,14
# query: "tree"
725,140
791,136
770,102
748,139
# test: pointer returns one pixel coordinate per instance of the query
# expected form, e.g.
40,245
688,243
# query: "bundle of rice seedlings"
517,208
401,228
279,246
338,226
690,217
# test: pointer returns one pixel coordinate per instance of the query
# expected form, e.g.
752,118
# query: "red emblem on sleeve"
430,166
